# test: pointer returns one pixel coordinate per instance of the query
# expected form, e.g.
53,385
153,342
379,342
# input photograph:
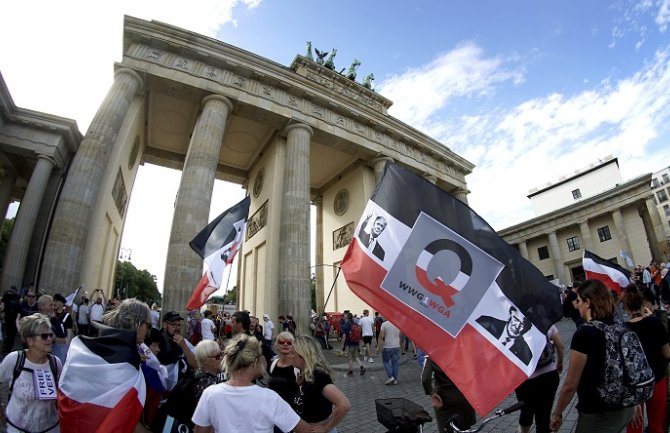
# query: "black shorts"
367,339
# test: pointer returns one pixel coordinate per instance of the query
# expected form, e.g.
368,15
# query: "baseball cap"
172,316
266,316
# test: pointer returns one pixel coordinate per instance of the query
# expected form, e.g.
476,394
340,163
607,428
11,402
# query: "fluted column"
183,267
318,270
557,258
523,249
19,241
6,188
653,227
461,194
587,239
378,165
67,238
620,229
294,284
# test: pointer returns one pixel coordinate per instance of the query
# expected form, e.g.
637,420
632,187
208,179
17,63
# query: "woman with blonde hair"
240,405
282,372
317,400
24,412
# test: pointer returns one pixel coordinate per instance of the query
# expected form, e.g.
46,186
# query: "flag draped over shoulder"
101,388
217,244
439,272
612,275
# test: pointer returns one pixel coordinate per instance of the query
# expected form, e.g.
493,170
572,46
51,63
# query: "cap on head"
266,316
60,298
172,316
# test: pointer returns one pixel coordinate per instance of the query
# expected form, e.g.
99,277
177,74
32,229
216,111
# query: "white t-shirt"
155,315
249,409
366,323
206,326
391,335
84,311
97,310
268,329
22,409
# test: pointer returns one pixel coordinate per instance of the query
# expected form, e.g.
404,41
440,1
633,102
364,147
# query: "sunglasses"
45,335
286,342
30,296
218,356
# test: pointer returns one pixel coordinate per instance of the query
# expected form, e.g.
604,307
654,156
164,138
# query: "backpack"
628,378
548,354
19,367
355,333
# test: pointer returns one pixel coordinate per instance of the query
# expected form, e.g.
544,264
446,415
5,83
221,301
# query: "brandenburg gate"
291,136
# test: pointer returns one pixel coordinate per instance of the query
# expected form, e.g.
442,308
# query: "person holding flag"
218,244
443,267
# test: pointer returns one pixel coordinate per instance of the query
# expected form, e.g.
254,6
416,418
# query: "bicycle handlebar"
498,413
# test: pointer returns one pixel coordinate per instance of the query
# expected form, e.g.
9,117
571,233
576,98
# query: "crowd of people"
215,372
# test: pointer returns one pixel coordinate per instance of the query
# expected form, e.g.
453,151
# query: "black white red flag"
101,388
440,273
217,244
612,275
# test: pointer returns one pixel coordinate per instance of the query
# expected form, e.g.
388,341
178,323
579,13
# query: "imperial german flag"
612,275
217,244
439,272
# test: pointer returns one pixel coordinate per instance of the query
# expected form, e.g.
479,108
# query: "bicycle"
497,414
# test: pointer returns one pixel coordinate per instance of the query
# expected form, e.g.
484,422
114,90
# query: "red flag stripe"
451,353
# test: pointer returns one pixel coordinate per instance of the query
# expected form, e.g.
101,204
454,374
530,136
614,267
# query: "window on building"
543,252
662,196
654,183
665,178
576,194
666,209
573,243
604,234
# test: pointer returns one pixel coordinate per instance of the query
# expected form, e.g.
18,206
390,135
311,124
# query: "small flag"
69,299
439,272
612,275
101,387
627,258
217,244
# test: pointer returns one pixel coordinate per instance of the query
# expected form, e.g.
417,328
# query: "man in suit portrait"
370,239
510,332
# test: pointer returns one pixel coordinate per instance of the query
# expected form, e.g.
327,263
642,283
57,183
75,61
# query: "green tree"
4,237
131,282
231,296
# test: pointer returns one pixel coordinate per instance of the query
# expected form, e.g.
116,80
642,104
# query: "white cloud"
663,16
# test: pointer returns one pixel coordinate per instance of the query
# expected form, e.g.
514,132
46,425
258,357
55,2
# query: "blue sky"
526,90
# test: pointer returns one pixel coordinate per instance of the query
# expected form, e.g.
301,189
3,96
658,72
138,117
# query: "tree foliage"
130,282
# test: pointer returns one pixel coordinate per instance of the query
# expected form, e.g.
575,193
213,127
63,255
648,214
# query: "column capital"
318,201
215,97
294,126
133,74
47,158
382,159
430,178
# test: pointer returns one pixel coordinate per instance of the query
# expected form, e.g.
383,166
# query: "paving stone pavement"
363,390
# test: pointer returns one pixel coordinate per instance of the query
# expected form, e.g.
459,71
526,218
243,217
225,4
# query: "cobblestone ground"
363,390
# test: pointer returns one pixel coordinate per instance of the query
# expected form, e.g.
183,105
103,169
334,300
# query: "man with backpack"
352,340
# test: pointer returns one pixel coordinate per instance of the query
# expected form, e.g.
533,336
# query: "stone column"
183,267
294,282
430,178
318,269
653,227
461,194
587,239
557,258
69,231
378,165
19,242
523,249
6,188
620,229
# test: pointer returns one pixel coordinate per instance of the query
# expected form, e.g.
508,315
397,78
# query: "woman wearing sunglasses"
317,400
282,372
239,405
185,395
24,412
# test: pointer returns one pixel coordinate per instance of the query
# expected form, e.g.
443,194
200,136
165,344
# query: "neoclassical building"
36,150
292,136
591,209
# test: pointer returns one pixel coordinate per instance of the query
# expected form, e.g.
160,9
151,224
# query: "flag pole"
332,287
